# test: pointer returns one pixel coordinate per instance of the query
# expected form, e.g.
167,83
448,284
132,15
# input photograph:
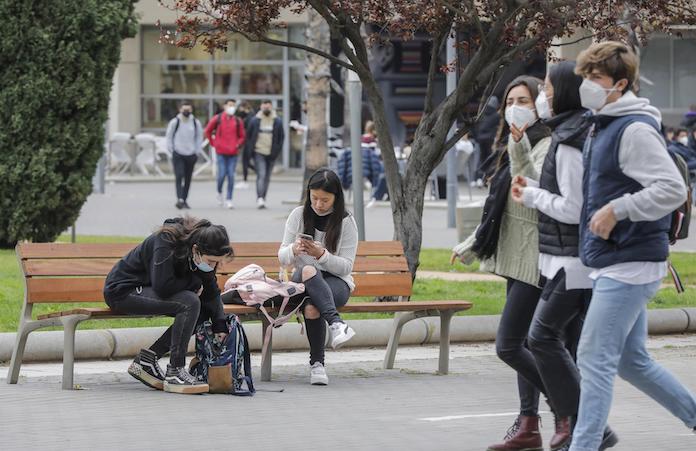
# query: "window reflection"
158,112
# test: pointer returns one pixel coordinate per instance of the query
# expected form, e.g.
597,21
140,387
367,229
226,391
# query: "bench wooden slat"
89,289
356,307
102,266
118,250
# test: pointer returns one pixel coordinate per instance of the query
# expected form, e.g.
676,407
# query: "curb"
125,343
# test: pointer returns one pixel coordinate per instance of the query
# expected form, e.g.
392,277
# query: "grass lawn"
488,297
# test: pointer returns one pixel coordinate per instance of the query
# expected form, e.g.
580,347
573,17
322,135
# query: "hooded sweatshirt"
643,157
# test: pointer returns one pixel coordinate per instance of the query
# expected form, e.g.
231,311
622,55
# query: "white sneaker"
371,203
473,184
229,205
479,183
317,374
260,203
219,199
340,333
241,185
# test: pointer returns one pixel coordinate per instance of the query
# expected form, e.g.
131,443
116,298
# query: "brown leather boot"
563,434
522,436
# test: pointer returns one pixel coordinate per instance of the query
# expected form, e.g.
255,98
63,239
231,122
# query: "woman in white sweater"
320,242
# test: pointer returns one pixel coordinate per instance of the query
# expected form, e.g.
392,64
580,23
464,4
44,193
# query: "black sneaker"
178,380
146,369
186,206
609,439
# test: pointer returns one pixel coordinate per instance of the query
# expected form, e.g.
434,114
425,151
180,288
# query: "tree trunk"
318,76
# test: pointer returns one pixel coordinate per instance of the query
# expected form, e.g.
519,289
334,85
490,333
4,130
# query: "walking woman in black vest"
554,333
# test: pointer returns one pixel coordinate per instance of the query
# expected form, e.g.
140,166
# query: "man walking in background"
226,134
265,142
184,138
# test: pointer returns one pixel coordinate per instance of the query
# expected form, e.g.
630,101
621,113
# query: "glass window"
684,72
182,78
240,48
233,80
158,112
153,50
655,71
296,34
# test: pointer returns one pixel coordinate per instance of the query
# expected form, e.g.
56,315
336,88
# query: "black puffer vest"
556,238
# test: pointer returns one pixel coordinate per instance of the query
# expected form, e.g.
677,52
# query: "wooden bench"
60,273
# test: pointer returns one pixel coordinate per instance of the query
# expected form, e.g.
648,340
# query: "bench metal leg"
18,354
399,320
266,360
445,321
70,325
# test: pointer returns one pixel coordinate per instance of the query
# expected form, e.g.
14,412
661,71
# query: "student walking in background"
184,139
226,133
265,142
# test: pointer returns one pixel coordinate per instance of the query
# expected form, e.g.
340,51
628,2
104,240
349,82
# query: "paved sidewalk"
363,408
137,208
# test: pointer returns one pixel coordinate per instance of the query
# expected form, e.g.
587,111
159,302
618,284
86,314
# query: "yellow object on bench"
61,273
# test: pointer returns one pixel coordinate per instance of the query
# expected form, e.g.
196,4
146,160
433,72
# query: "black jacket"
153,264
252,133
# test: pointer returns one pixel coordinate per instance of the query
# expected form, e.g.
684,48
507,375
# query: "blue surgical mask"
203,266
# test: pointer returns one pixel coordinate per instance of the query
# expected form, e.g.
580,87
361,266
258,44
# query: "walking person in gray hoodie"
265,137
630,188
184,139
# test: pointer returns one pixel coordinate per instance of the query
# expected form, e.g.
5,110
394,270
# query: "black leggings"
326,292
511,342
553,340
184,306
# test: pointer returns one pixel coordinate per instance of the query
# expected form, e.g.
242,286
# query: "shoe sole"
609,441
319,382
350,334
143,376
186,389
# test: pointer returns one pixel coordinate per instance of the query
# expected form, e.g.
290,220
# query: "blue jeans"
613,341
227,164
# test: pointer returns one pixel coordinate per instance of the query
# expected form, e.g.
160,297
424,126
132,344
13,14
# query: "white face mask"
230,110
519,116
326,213
593,96
542,106
683,140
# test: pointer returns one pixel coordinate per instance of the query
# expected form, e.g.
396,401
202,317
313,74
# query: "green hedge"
58,61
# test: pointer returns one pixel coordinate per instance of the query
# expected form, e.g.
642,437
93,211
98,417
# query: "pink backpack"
255,288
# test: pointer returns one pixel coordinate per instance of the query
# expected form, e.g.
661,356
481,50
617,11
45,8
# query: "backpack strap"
218,120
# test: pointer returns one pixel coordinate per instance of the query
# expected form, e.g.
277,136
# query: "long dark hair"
535,132
566,87
183,233
326,180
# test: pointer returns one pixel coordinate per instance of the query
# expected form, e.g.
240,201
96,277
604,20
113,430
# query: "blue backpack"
225,366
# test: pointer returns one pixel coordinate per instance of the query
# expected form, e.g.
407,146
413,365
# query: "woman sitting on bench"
172,273
320,242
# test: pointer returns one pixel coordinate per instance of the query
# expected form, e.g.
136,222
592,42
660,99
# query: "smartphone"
304,236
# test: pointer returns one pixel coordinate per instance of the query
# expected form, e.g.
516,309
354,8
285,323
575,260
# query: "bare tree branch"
438,43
